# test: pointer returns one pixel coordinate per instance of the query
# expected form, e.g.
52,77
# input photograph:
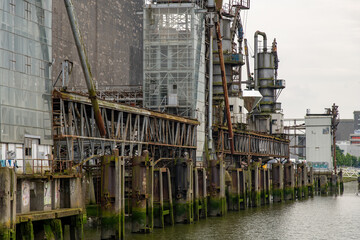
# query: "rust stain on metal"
122,107
224,83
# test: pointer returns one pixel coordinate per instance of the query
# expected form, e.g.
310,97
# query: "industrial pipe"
85,65
247,64
256,50
211,68
224,83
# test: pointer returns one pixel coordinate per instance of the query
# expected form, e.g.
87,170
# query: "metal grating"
172,45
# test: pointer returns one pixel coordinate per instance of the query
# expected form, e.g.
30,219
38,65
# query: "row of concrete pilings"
147,196
183,193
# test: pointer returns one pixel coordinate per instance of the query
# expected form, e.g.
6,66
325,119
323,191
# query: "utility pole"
334,124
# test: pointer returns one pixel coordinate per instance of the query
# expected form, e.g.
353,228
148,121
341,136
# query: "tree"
346,160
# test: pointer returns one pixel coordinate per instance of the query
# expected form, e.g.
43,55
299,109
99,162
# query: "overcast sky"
319,51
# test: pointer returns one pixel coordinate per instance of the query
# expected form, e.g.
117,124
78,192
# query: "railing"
41,166
253,144
350,172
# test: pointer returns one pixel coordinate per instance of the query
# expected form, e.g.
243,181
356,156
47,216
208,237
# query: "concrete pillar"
341,182
311,185
184,212
27,230
112,197
57,229
334,184
304,179
46,234
37,196
323,185
47,195
242,185
248,184
200,197
289,181
142,190
299,186
65,193
23,196
262,185
233,191
255,188
267,186
76,200
88,189
7,203
277,182
217,199
55,194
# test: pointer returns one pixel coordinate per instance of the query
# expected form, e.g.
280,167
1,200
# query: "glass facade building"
25,71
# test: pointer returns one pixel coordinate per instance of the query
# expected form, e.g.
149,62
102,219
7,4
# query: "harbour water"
321,217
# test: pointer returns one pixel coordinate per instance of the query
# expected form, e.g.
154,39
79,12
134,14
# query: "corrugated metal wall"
25,77
112,32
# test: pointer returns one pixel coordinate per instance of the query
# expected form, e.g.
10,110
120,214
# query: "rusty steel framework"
252,144
129,129
132,130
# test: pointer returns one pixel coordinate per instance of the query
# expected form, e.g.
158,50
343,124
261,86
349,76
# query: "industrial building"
113,36
71,148
25,84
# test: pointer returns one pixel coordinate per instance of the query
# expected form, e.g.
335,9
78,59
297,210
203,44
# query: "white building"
319,141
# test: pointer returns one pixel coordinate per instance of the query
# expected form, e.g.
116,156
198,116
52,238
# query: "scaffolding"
173,39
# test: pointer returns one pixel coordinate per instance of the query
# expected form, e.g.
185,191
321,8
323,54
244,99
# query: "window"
27,65
231,108
28,147
42,69
27,10
240,109
326,130
12,6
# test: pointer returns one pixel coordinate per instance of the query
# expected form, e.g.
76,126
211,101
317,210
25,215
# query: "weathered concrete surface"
289,181
7,203
112,32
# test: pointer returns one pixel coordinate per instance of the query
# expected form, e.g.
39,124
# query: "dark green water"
331,217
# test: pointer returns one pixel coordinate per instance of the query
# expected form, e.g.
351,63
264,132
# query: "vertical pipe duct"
85,65
224,83
256,51
211,68
249,84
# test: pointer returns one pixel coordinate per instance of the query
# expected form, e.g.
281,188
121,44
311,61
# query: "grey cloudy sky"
319,51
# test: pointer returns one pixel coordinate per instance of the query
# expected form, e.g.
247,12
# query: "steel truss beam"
129,129
251,144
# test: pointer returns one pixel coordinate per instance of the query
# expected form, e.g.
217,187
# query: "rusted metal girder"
75,97
224,83
85,65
